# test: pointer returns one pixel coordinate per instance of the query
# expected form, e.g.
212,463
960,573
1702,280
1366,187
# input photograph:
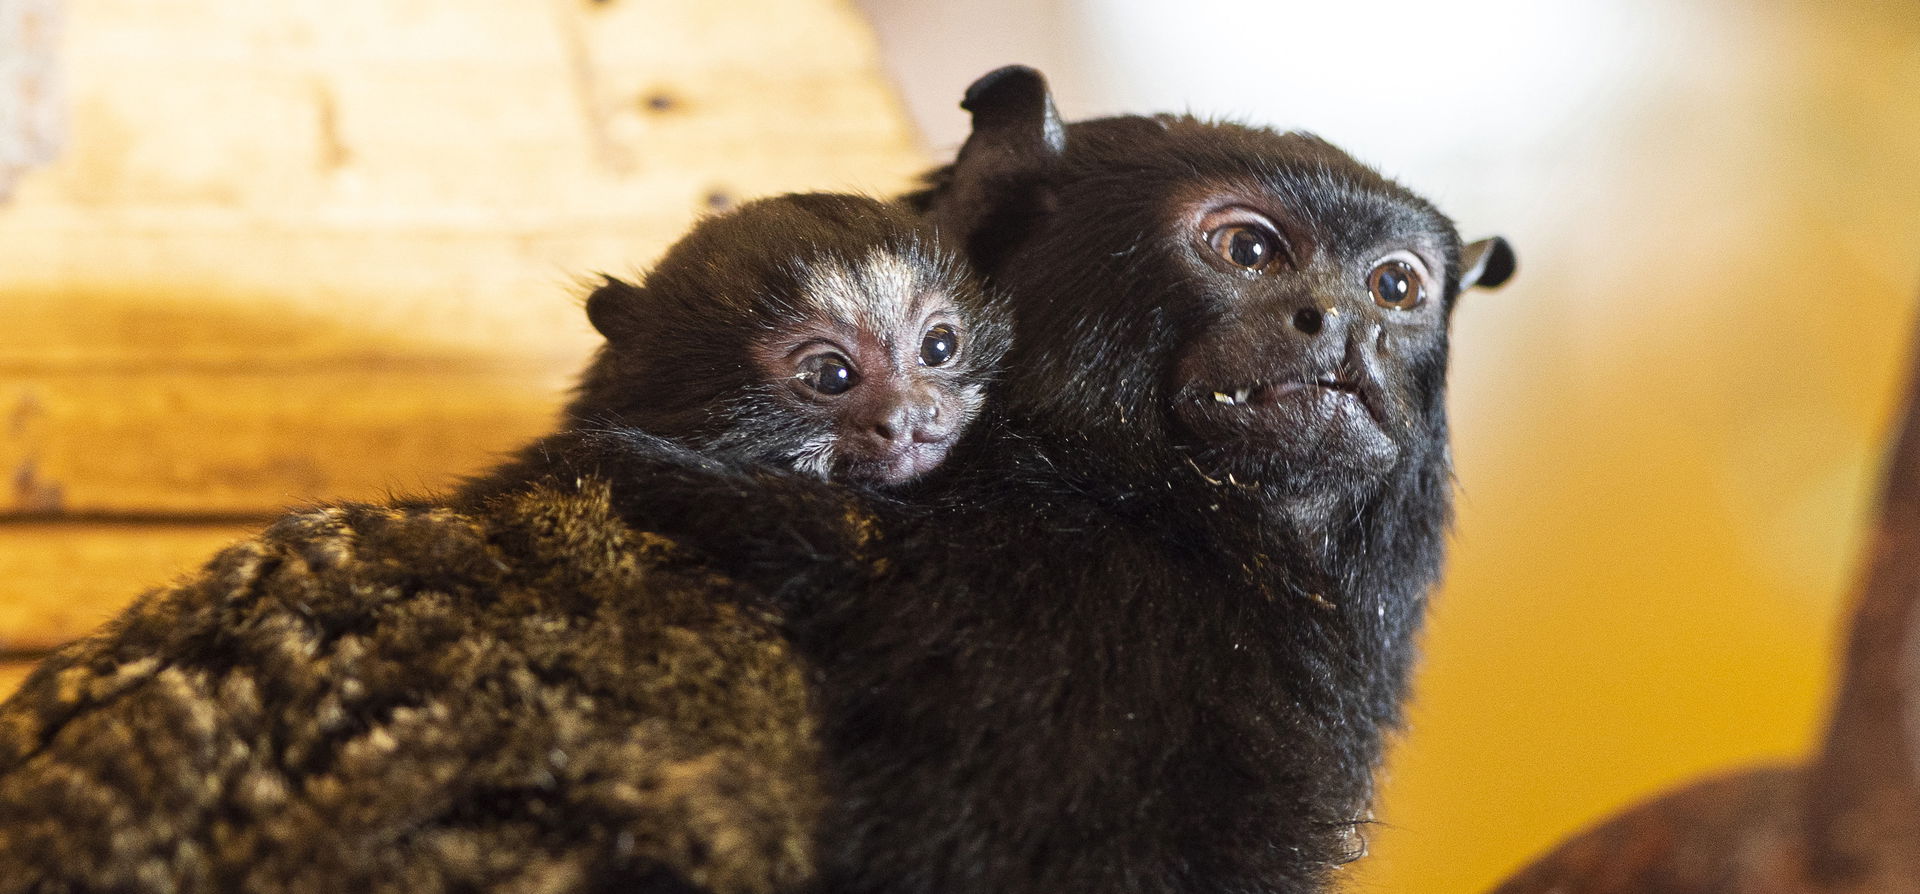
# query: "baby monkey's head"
828,333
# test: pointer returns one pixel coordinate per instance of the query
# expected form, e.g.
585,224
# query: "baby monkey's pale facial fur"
885,366
826,333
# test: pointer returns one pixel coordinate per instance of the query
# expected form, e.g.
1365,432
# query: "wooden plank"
11,673
59,581
241,442
179,328
85,289
410,143
403,108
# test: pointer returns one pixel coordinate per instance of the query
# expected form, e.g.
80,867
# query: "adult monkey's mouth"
1286,395
1267,392
1317,419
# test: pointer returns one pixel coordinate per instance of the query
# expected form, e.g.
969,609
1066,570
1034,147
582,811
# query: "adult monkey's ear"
998,184
1486,264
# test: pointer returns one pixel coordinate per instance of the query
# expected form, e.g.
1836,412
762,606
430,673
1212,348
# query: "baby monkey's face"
831,334
885,369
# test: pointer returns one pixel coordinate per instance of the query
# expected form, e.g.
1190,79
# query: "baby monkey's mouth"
896,464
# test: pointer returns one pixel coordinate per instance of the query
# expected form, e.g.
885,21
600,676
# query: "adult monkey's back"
1173,614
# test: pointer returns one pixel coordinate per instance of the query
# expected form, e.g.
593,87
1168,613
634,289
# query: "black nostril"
886,431
1308,320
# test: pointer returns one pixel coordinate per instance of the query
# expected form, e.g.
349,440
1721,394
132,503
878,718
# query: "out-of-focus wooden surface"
32,119
335,252
58,579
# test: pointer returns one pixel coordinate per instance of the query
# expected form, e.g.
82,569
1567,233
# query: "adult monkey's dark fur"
1155,644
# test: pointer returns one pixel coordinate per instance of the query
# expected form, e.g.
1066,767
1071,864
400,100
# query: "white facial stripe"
878,294
815,457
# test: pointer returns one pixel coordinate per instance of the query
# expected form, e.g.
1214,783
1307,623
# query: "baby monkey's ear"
611,309
1486,264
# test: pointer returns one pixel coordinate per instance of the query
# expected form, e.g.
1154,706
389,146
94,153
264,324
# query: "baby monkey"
826,333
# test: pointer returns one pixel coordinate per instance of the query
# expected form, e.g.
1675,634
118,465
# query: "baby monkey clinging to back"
826,333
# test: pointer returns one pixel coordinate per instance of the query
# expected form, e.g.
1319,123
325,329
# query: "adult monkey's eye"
1396,284
1245,245
939,345
828,373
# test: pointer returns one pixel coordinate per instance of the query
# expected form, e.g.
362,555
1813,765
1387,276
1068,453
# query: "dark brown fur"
528,697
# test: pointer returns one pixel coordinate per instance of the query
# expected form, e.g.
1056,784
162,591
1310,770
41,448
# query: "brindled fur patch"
404,698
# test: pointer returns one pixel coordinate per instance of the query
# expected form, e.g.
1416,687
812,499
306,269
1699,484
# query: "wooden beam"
59,581
254,443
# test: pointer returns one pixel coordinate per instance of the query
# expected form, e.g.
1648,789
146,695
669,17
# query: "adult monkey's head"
1257,303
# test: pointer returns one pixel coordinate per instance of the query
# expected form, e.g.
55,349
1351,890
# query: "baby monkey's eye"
828,373
939,345
1396,284
1245,245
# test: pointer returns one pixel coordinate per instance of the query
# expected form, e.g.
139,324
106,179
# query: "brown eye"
939,345
1396,284
828,373
1245,245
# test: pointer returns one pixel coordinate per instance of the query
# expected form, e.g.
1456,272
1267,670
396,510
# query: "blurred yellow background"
1669,430
289,254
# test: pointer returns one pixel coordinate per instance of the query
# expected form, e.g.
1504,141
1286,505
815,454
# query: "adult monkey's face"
1258,303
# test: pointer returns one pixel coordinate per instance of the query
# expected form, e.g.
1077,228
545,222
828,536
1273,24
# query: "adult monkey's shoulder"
407,697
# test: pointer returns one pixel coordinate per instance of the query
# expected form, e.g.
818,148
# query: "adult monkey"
1158,638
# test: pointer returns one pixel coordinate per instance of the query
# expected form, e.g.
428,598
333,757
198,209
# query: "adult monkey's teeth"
1237,398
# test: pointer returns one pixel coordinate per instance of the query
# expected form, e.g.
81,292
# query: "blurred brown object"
1846,820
